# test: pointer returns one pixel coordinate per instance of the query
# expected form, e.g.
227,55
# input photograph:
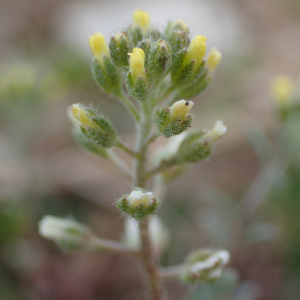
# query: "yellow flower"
78,115
282,89
213,59
196,51
136,62
141,19
180,109
98,46
135,198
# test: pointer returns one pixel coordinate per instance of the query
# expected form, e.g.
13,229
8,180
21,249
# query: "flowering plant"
161,72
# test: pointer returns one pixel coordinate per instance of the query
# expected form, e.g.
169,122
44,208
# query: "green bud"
185,75
138,88
119,47
136,35
87,144
160,59
205,265
195,89
107,75
68,234
198,145
174,120
97,129
138,204
177,35
145,45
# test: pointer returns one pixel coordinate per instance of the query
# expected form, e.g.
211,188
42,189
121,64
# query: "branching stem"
129,105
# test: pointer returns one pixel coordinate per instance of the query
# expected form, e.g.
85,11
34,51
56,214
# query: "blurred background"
245,199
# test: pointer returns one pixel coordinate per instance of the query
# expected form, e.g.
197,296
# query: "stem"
120,164
140,180
111,247
120,144
153,137
128,105
171,273
165,164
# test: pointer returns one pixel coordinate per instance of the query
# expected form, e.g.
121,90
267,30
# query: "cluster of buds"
175,119
198,145
138,204
68,234
94,127
147,55
205,265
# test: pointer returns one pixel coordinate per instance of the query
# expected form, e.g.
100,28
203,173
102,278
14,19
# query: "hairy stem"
129,105
120,144
140,180
111,247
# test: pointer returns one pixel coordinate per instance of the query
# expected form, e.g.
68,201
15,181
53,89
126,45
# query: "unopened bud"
97,129
99,47
160,58
137,83
138,204
174,120
188,64
215,133
198,145
196,52
205,265
213,59
119,47
177,35
141,19
66,233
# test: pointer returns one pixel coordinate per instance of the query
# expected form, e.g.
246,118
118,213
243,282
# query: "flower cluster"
154,74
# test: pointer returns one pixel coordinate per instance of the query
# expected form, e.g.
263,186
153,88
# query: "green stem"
128,105
120,164
140,180
120,144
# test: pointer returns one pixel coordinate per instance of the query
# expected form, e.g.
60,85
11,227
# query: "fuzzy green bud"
175,119
104,70
160,59
198,145
195,89
137,82
188,65
119,47
177,35
138,204
205,265
97,129
68,234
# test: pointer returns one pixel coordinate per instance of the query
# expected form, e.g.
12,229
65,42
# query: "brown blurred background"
244,199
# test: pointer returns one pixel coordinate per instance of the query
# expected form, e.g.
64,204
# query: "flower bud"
137,83
119,47
174,120
205,265
141,19
198,145
138,204
188,64
97,129
196,52
177,35
159,234
282,89
99,47
160,59
213,59
104,71
66,233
